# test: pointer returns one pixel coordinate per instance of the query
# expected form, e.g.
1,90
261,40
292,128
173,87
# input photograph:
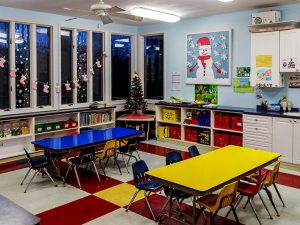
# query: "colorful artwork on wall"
209,58
206,94
241,83
294,81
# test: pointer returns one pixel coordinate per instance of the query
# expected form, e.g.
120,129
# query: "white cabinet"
265,60
296,142
283,138
290,50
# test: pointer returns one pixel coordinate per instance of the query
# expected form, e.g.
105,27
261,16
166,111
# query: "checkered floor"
105,202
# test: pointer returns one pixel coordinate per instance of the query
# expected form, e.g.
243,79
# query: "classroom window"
120,66
154,67
66,38
4,69
22,61
97,40
81,66
43,47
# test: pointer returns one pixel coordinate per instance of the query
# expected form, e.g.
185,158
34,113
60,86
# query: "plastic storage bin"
204,118
190,134
39,128
222,120
175,132
236,123
221,139
48,127
204,137
171,115
236,140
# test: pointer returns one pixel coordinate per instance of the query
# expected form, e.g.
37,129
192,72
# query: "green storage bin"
56,126
48,127
39,128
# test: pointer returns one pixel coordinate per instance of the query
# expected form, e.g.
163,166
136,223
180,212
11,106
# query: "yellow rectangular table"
209,172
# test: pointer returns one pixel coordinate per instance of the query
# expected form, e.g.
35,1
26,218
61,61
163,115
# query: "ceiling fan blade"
78,10
74,18
106,19
126,16
114,9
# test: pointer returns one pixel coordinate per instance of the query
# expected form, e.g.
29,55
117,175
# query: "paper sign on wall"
288,63
263,60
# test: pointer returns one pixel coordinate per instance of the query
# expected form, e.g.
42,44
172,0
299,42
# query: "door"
289,50
296,144
283,138
265,59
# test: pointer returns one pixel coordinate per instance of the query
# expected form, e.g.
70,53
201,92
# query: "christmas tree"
135,100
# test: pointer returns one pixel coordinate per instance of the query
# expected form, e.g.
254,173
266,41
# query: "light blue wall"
238,22
58,20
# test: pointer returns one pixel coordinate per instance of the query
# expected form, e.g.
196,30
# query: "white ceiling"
183,8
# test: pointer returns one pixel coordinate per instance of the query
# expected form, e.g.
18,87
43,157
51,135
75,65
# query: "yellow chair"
270,180
109,151
214,202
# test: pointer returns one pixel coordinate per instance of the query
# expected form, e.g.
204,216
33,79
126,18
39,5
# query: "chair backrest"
138,169
173,157
227,196
133,144
273,176
31,162
193,151
109,148
260,181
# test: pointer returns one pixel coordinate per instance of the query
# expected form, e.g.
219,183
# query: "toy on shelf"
7,129
24,127
1,131
15,128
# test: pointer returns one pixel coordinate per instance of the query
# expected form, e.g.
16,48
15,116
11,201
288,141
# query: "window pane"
120,66
4,53
66,65
22,54
98,76
81,66
43,46
154,66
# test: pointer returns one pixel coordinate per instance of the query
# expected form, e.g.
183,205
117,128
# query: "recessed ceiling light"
225,0
155,15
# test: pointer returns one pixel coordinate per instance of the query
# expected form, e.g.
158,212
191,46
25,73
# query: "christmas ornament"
34,85
57,89
2,61
85,77
23,79
76,84
98,63
12,73
68,86
46,88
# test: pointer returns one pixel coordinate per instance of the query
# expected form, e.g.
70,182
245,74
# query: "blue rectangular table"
60,145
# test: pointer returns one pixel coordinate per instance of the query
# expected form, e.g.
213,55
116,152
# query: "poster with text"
241,83
209,58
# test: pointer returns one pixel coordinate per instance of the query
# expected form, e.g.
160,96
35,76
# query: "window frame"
141,67
133,63
75,29
33,68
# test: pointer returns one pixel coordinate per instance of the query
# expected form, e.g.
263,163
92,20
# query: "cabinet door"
265,59
283,138
289,50
296,144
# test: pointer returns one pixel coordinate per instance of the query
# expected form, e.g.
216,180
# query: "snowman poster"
209,58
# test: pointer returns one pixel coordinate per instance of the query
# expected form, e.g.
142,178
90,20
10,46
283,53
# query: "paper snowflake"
224,56
222,37
223,46
216,53
212,37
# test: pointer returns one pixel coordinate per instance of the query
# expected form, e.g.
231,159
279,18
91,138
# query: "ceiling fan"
104,11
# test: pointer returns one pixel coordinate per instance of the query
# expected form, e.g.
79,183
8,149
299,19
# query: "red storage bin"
73,123
65,124
175,132
222,120
236,123
221,139
191,134
236,140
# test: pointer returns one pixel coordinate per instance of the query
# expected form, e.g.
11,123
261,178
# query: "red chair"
250,190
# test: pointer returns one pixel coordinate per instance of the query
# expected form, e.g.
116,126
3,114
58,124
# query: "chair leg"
96,171
103,170
246,204
240,198
253,209
67,173
148,203
26,175
212,221
163,208
117,164
106,163
235,215
265,205
77,177
125,163
278,194
138,154
271,200
132,199
46,171
31,181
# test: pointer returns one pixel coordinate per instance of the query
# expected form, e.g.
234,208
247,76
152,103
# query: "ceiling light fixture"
225,0
155,15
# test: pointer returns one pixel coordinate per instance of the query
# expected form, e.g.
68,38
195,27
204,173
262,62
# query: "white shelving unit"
183,111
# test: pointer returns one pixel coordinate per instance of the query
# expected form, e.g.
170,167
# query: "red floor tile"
288,180
158,150
89,181
10,166
157,201
77,212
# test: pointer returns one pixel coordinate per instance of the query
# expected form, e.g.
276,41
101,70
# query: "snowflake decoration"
215,44
189,38
223,46
216,53
192,45
224,72
189,64
212,37
224,56
222,37
217,63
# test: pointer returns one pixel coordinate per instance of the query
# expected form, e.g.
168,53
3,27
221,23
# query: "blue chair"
193,151
143,183
177,195
39,165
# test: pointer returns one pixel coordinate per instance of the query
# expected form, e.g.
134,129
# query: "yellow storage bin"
171,115
163,132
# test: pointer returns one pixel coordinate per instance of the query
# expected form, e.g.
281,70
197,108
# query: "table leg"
194,210
147,132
